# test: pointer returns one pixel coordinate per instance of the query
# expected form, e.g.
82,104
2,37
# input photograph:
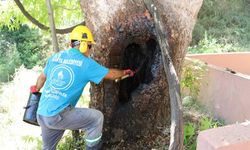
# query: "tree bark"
137,109
176,134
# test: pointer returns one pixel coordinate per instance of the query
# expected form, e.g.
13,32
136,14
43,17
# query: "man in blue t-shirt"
63,80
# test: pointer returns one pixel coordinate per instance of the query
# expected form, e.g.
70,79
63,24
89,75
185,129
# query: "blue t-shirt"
67,73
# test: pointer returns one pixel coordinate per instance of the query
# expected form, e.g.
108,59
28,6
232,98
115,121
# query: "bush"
191,131
225,23
22,46
66,143
9,60
211,45
192,75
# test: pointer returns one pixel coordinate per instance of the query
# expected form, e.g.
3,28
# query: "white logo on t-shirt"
62,77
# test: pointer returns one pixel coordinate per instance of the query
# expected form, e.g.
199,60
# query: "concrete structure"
225,90
232,137
225,87
239,62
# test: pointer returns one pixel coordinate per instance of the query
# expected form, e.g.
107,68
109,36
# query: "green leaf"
66,13
206,123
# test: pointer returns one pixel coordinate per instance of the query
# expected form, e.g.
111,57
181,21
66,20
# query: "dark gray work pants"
90,120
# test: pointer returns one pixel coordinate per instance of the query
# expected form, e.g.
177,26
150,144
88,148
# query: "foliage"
66,143
12,17
211,45
191,105
69,143
197,119
28,44
222,24
191,131
23,46
207,123
13,96
192,74
10,56
33,140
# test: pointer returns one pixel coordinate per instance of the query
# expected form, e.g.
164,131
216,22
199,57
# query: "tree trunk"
137,110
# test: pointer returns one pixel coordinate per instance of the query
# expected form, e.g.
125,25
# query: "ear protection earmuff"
83,47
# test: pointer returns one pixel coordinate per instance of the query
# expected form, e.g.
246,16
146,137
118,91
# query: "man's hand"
129,72
117,74
33,89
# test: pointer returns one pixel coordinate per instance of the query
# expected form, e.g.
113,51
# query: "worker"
63,80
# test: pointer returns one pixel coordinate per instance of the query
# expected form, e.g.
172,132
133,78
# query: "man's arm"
114,74
39,83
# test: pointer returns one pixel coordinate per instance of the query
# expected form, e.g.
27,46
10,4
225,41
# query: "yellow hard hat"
82,33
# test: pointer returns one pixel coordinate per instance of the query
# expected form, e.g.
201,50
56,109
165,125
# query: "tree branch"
40,25
176,139
52,26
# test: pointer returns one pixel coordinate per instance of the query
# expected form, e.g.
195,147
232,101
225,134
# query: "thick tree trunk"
138,109
176,134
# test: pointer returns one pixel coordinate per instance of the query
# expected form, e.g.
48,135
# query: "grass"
196,118
222,26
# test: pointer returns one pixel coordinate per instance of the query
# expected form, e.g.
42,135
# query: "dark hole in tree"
138,57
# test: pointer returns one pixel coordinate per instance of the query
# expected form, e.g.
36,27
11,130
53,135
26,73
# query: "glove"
33,89
129,72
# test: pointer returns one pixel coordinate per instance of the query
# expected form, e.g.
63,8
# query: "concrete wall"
239,62
225,93
231,137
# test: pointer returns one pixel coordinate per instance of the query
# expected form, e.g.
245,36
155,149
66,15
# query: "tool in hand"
130,74
123,77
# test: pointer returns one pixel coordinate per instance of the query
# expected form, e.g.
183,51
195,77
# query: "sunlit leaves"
66,13
10,14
